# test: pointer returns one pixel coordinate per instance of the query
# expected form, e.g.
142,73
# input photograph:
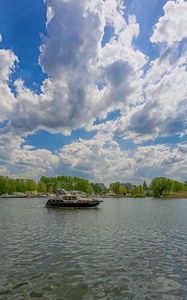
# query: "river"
125,249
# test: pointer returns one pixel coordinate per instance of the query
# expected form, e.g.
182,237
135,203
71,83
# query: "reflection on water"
125,249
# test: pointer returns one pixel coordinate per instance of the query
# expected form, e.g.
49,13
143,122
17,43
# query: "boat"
64,198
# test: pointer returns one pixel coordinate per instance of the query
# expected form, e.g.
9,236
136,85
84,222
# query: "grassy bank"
181,195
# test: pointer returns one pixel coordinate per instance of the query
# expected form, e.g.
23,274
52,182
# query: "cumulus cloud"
23,161
162,160
77,65
163,108
171,27
103,159
87,79
99,159
158,108
8,62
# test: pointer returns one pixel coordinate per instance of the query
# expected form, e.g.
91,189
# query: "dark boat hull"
78,204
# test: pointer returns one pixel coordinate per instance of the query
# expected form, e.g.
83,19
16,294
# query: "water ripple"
127,249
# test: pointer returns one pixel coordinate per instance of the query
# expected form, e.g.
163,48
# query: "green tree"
159,186
96,188
42,188
116,187
122,190
162,186
30,185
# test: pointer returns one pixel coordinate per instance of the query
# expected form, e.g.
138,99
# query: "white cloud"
162,110
8,62
77,64
87,80
23,160
100,159
162,160
4,171
171,27
157,106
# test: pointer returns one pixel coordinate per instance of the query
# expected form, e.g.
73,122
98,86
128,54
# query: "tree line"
162,186
10,185
128,189
52,184
159,186
47,185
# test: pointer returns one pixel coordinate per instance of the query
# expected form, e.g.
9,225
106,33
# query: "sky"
93,88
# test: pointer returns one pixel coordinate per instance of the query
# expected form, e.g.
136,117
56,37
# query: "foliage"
42,188
162,186
115,187
123,190
10,185
66,182
138,192
96,188
128,189
45,184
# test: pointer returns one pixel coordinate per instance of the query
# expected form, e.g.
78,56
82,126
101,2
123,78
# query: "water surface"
125,249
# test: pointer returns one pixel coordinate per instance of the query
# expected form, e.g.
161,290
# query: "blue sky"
93,89
22,23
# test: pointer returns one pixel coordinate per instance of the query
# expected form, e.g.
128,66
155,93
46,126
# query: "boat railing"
63,195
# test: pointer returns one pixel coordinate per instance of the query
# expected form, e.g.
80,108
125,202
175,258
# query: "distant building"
128,185
101,186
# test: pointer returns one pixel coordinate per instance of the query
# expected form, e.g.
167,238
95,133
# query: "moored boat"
64,198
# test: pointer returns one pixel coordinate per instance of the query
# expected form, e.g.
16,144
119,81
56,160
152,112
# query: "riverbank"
180,195
22,195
